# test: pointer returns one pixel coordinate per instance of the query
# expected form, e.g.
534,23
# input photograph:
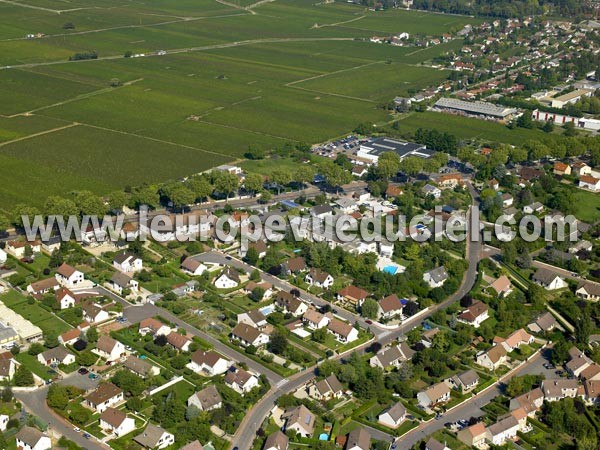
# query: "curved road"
246,433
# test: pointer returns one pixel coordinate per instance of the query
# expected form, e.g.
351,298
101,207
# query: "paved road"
35,402
137,313
246,432
472,407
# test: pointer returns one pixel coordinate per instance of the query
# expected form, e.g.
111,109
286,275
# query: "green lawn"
33,312
34,365
587,206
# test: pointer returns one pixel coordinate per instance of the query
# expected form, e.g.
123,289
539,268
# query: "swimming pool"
267,310
323,437
390,270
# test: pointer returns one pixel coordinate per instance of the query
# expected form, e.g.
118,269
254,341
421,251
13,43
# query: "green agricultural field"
587,205
236,75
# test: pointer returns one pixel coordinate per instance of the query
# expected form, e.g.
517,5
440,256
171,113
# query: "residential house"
206,400
353,295
141,367
321,211
121,282
70,337
548,280
326,389
248,335
393,416
392,357
507,200
391,306
428,335
555,390
475,314
503,430
259,246
39,288
4,418
342,331
240,380
55,356
115,421
578,362
492,358
319,278
193,267
561,168
3,257
183,289
581,168
449,181
474,435
51,244
543,323
208,362
315,320
94,313
531,401
29,438
254,318
502,286
358,439
588,291
592,372
154,438
434,395
127,262
581,246
589,182
465,381
534,208
591,392
276,441
293,266
110,349
228,279
434,444
179,341
515,340
154,327
19,248
267,289
393,191
290,304
434,191
436,277
68,276
299,419
7,369
105,396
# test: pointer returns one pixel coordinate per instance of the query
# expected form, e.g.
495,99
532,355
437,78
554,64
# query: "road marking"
281,383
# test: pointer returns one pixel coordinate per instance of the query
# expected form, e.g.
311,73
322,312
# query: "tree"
79,415
23,377
130,382
21,211
525,121
281,177
278,343
548,127
411,165
388,165
257,294
178,194
252,256
92,335
254,182
86,358
117,199
35,349
51,340
58,206
369,308
200,186
583,328
146,195
225,183
89,204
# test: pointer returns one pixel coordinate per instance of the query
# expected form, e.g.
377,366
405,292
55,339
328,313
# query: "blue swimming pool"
267,310
390,270
323,437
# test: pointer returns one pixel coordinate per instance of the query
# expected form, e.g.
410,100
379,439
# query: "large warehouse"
482,109
374,148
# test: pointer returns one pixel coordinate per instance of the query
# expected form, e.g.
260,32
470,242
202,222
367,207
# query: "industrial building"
374,148
481,109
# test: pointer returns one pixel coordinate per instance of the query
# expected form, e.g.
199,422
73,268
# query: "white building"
128,262
29,438
69,277
115,421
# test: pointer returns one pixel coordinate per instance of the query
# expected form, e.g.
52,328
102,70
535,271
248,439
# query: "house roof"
544,276
114,417
556,388
106,343
590,288
190,264
64,292
151,323
590,372
517,337
44,285
397,411
150,436
501,285
277,441
353,292
477,429
300,415
137,365
177,340
296,264
545,321
231,274
120,279
474,311
359,437
121,257
391,303
208,397
496,353
59,353
321,209
5,366
561,166
287,301
339,327
209,358
194,445
238,376
318,275
588,179
313,316
66,270
103,392
434,444
70,335
503,425
437,391
527,401
29,435
246,332
438,274
468,377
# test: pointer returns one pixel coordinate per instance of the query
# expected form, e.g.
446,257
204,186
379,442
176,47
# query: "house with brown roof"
105,396
228,279
434,444
531,401
94,313
475,314
465,381
110,349
240,380
319,278
474,435
392,357
194,445
7,369
39,288
314,320
342,331
293,266
206,400
434,395
55,356
17,248
503,430
255,318
352,294
391,306
276,441
450,180
208,362
290,304
248,335
548,280
154,437
589,182
555,390
141,367
299,419
502,286
265,286
588,291
29,438
358,439
193,267
591,392
153,327
326,389
543,323
393,416
70,337
115,421
68,276
492,358
179,341
515,340
561,168
592,372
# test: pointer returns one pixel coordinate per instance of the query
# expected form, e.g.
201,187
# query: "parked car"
83,371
